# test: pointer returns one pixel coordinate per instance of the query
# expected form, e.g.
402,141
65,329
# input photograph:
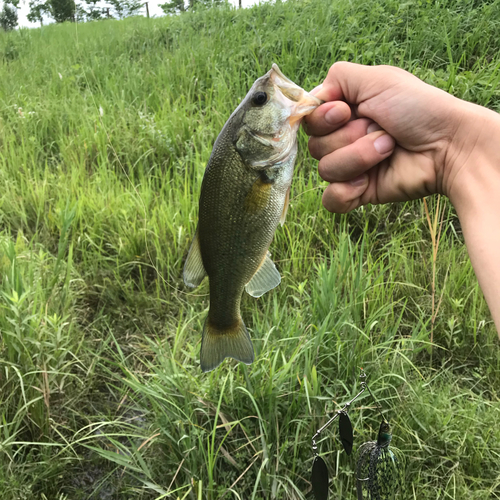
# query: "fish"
244,196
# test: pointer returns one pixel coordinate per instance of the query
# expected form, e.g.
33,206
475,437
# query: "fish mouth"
302,103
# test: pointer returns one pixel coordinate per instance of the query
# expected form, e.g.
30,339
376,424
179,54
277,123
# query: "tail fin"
230,342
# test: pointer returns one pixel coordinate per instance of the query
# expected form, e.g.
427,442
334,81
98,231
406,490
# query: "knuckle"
339,66
336,68
314,148
335,200
330,203
325,170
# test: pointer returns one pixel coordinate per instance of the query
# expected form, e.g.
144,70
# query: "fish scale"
242,239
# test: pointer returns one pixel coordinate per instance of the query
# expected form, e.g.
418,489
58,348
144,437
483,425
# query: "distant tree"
8,15
125,8
86,10
176,6
173,6
91,12
59,10
119,9
37,10
62,10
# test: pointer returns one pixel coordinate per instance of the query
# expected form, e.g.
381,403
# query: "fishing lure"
379,471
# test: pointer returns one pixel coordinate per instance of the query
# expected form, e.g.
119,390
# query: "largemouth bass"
244,196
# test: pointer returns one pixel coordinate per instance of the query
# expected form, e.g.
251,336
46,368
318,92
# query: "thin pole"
147,9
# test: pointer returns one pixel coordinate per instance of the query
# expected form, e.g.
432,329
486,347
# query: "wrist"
472,167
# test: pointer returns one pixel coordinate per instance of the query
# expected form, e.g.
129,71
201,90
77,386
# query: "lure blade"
319,479
345,431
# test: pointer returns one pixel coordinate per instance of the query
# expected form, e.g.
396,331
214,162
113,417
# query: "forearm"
476,197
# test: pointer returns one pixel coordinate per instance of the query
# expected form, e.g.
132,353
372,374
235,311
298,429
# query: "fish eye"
259,98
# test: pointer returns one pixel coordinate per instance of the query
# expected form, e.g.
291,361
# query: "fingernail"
359,180
384,144
334,116
316,89
373,127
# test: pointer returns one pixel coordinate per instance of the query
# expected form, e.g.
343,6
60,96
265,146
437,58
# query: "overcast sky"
154,10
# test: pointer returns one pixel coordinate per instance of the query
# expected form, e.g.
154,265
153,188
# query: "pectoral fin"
285,207
194,271
266,278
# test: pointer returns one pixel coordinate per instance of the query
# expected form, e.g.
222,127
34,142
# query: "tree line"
67,10
90,10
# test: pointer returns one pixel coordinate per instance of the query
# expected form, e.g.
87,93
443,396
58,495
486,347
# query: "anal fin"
266,278
194,271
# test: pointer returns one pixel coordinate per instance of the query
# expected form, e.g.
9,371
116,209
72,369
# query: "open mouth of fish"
301,102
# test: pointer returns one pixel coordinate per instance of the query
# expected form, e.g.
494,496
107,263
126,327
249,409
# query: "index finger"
327,118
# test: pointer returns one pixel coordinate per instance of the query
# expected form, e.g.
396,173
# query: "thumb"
355,83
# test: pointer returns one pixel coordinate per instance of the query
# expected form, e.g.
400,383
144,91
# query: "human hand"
383,135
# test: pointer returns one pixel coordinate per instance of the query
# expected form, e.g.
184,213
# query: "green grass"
105,131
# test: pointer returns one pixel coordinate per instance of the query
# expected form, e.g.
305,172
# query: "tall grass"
105,131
